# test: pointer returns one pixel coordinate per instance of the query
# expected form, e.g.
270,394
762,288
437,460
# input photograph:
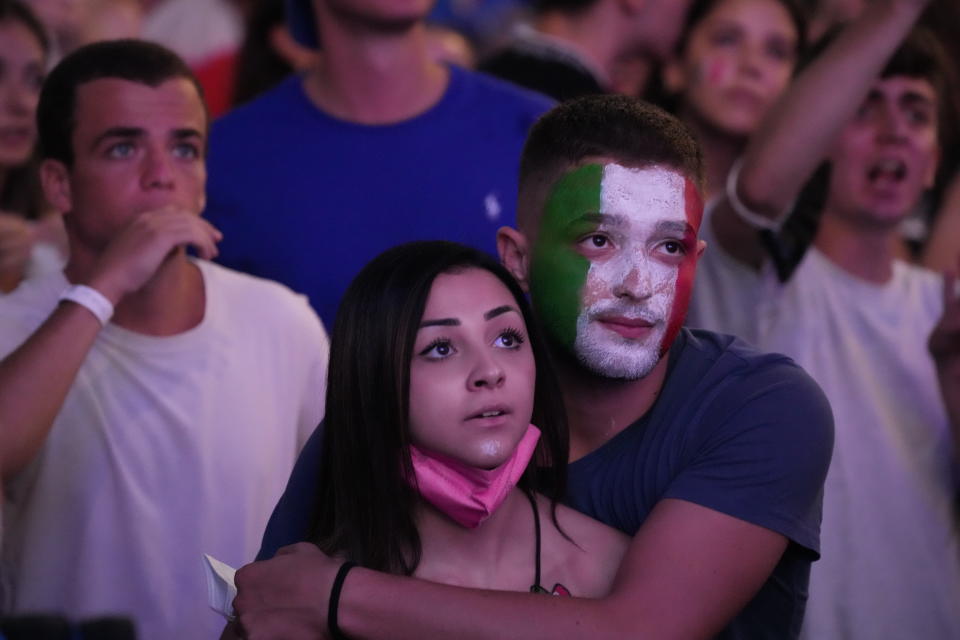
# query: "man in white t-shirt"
857,319
152,403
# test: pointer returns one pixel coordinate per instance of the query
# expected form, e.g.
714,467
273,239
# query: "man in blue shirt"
376,145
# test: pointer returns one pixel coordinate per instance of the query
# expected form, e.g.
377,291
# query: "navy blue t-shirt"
742,432
307,199
735,430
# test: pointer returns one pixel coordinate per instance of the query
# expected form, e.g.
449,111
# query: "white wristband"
92,300
755,220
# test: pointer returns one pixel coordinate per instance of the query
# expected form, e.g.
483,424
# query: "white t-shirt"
165,448
890,565
726,292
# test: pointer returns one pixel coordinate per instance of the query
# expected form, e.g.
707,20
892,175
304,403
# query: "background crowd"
830,133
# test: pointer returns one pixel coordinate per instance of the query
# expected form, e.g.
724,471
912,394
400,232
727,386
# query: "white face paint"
635,255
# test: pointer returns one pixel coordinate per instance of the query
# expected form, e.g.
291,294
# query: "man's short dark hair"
134,60
921,56
624,129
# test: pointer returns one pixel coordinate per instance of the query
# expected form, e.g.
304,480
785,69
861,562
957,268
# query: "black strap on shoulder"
535,588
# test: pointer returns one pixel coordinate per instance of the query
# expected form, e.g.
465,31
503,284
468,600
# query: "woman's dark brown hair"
365,507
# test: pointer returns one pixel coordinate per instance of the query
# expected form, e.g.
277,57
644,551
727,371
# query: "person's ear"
514,253
55,180
289,50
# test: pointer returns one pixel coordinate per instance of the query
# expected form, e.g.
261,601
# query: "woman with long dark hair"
24,219
430,464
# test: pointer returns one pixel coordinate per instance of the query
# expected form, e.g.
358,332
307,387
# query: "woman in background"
25,222
734,60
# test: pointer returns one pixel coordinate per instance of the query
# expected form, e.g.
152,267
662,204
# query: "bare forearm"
35,379
687,573
795,136
371,607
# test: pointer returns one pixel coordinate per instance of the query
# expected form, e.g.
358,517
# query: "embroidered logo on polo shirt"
492,205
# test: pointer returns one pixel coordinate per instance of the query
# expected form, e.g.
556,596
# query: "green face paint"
557,272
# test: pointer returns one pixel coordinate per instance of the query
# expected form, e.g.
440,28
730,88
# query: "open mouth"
490,412
887,171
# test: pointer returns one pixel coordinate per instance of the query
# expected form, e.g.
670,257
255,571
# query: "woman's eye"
34,78
511,339
919,116
779,50
864,111
725,37
437,350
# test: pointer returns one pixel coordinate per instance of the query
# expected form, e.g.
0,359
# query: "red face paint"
716,72
693,205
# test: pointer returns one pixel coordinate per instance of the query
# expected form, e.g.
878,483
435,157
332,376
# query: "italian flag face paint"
612,267
558,271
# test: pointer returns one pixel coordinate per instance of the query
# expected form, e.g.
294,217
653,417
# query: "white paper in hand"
221,589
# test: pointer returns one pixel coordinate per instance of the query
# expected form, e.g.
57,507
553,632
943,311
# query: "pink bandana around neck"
466,494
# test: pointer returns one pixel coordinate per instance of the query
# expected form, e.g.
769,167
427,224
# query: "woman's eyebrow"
440,322
493,313
454,322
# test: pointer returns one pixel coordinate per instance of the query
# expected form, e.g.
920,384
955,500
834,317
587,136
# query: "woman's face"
472,374
21,74
737,61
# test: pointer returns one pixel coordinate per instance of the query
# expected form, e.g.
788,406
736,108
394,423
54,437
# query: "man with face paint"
857,318
678,438
374,145
614,264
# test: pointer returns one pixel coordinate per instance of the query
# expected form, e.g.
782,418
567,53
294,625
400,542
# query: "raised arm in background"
797,133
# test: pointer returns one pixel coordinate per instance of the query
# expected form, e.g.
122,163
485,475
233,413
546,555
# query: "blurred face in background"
886,157
383,15
22,62
110,20
63,19
737,61
659,24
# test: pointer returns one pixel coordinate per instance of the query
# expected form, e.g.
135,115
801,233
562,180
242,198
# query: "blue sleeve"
762,451
230,192
290,521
